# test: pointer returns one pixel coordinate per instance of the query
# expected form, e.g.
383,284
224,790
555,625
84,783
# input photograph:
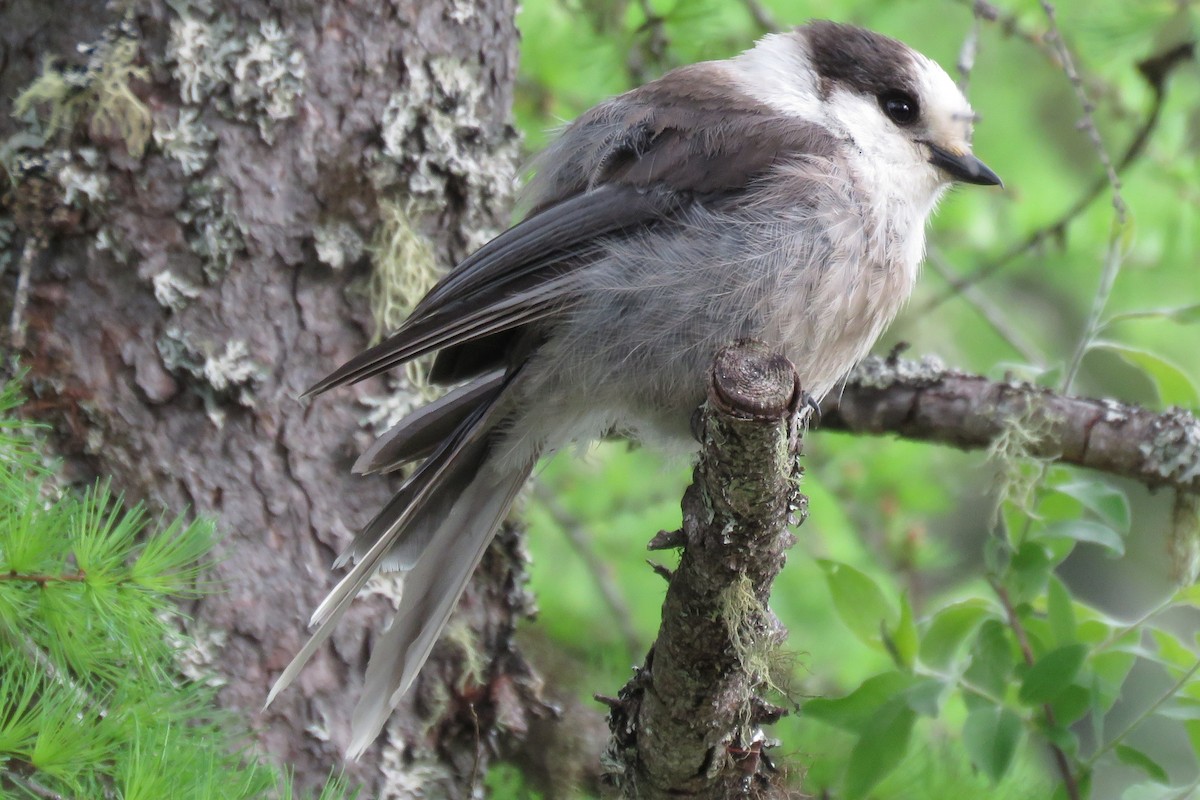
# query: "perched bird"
780,195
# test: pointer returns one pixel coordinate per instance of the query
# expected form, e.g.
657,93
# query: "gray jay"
780,195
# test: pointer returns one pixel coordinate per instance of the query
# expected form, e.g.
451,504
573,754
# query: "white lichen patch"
220,372
436,130
256,77
109,241
82,186
386,410
1174,450
198,648
202,55
414,774
875,372
78,172
173,292
337,244
216,235
268,79
462,11
189,141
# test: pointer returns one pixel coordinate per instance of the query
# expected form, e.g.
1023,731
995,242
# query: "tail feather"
431,591
390,525
418,434
408,525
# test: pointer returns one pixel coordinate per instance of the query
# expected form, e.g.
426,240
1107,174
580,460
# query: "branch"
688,723
924,401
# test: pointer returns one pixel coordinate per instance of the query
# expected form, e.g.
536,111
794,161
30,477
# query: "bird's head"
897,107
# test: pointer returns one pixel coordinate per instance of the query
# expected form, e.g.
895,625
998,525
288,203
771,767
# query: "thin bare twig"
651,44
33,787
16,321
1155,70
600,569
42,580
36,655
763,18
1088,122
966,55
1009,24
989,311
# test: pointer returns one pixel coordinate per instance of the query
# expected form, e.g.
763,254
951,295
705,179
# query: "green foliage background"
930,527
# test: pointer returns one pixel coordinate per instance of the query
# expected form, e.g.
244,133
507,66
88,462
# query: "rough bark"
689,722
185,285
927,402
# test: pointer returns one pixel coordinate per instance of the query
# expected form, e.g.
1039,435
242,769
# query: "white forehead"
779,72
945,108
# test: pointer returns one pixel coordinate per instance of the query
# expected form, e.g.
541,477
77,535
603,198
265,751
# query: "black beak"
966,167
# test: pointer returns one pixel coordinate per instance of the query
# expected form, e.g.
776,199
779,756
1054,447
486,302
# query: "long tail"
434,531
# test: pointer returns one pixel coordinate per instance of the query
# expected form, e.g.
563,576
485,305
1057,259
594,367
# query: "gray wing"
637,161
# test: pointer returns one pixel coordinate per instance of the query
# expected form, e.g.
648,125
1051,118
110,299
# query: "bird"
780,195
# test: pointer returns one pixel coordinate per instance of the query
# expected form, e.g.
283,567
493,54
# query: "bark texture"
927,402
689,722
197,232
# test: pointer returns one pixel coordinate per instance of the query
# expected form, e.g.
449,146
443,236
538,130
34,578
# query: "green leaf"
1052,674
1060,610
1184,315
902,642
1109,671
859,602
925,696
853,711
1174,386
949,629
1136,758
880,748
991,736
1082,530
1028,572
1181,708
992,658
1107,502
1071,704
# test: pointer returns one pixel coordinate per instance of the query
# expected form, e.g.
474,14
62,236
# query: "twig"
16,322
34,788
42,580
1088,122
924,401
1070,783
989,311
1155,70
600,569
60,676
966,55
763,18
651,45
1146,713
1009,24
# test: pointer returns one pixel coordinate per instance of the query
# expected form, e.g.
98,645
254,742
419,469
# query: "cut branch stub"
688,724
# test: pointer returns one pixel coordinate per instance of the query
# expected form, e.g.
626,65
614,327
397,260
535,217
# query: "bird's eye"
900,107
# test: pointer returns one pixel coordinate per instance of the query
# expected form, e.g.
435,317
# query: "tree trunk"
190,234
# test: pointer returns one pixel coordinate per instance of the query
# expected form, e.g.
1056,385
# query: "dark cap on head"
859,59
